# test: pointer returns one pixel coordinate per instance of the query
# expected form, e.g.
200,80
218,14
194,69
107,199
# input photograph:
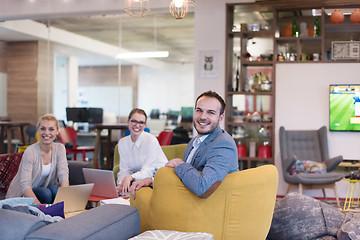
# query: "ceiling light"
137,8
179,8
130,55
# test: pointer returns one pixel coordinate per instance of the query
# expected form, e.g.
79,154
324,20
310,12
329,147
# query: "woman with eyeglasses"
140,153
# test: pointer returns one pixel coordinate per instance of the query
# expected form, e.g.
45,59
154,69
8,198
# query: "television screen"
344,107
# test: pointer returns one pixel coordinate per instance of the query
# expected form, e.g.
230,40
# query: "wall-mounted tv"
344,107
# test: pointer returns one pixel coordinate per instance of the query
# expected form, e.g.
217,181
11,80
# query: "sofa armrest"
111,221
332,163
16,225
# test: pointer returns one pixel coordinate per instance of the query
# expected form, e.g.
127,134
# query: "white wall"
302,102
171,88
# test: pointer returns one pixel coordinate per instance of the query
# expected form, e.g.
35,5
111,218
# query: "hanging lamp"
137,8
179,8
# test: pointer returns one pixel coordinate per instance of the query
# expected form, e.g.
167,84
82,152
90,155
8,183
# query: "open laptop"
104,182
75,197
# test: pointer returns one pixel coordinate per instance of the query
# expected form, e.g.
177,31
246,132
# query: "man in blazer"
212,151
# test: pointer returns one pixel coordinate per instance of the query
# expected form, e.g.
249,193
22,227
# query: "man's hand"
147,182
174,162
124,187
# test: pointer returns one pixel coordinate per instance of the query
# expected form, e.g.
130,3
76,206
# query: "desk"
6,127
109,127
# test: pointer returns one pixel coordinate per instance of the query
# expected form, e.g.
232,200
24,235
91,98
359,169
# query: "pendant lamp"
179,8
137,8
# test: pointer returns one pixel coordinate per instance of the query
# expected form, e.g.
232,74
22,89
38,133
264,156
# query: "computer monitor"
187,114
77,114
86,115
95,115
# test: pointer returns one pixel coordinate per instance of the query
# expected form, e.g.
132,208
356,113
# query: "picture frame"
345,50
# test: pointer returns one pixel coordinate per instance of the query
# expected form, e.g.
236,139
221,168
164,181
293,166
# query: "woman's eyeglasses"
141,123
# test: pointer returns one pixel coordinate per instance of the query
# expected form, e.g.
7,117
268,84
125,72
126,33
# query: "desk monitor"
95,115
77,114
187,114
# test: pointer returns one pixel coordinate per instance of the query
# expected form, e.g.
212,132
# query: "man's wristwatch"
133,178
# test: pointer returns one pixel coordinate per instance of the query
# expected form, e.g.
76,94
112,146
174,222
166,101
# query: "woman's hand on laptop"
124,187
135,186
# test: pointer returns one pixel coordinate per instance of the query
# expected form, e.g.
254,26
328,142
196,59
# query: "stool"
349,200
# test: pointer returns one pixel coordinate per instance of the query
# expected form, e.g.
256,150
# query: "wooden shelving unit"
275,18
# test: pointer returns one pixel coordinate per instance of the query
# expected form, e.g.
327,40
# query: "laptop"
75,197
104,182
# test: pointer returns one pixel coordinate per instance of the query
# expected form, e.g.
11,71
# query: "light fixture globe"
179,8
137,8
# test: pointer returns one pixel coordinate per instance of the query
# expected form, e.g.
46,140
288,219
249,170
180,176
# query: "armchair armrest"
289,163
332,163
142,203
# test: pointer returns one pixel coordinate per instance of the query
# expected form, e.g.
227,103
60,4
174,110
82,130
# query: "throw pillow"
173,235
307,166
9,165
56,209
15,201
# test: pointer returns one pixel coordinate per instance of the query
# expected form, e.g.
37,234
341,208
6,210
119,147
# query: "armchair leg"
323,190
300,188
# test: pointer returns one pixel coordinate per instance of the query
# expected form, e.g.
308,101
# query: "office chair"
68,136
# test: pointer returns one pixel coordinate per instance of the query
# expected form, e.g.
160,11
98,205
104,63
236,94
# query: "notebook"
104,182
75,197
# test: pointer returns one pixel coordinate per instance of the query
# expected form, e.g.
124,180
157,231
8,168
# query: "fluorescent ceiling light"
128,55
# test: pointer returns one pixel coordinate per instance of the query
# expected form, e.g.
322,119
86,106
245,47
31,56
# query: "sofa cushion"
16,225
111,221
173,235
9,165
56,209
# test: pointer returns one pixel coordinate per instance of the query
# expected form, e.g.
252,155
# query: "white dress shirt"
195,146
142,158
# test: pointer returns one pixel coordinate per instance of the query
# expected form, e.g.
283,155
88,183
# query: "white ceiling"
156,31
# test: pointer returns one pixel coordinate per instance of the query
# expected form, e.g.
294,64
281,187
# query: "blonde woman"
43,167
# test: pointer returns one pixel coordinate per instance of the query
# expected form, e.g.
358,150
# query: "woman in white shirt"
43,166
140,153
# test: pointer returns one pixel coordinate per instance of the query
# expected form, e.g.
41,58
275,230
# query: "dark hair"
213,95
137,110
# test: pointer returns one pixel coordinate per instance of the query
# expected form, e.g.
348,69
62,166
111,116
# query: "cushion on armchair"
9,165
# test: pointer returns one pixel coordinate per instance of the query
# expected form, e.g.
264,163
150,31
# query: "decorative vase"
310,30
355,16
287,31
337,17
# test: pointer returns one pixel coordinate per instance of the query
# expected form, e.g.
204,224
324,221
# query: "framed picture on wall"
209,64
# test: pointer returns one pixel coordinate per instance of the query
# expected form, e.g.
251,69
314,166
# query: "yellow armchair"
241,208
170,151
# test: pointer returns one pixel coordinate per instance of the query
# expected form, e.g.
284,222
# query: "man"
212,151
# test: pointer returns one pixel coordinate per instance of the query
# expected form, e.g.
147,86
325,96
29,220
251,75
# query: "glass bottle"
316,27
295,28
236,78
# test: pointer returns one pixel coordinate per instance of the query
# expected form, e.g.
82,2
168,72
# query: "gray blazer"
215,157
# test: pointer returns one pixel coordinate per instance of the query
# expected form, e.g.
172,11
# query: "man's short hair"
213,95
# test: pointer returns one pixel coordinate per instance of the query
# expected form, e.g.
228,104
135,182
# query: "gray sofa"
112,221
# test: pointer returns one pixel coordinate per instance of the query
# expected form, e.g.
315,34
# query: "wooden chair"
68,136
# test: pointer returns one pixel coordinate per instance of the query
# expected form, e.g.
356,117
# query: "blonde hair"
49,117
